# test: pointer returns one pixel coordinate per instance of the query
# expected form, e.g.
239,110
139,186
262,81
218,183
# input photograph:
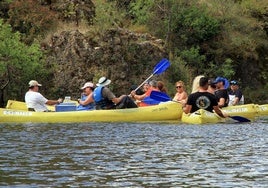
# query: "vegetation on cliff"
81,40
227,38
18,62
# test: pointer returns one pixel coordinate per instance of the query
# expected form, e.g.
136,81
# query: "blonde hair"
195,86
180,82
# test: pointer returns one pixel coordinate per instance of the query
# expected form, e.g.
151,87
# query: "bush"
19,63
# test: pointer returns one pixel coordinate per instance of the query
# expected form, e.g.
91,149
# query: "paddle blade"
158,69
160,96
239,118
150,101
161,66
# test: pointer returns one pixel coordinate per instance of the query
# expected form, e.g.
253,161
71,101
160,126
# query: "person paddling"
145,98
202,99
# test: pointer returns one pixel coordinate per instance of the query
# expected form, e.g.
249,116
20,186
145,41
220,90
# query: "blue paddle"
158,69
239,119
149,100
161,66
159,96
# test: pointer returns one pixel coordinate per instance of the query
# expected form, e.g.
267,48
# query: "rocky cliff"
123,56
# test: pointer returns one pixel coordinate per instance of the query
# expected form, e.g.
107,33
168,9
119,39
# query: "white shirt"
36,101
232,98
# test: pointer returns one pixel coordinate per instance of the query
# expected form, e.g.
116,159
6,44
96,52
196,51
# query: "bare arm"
218,111
137,97
88,100
187,109
175,97
221,102
184,99
236,100
184,96
116,100
53,102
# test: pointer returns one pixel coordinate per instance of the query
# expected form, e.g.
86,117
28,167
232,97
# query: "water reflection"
134,155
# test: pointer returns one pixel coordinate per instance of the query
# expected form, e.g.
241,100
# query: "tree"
18,62
31,19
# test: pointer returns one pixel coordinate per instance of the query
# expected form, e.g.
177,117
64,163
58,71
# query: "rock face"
72,11
123,56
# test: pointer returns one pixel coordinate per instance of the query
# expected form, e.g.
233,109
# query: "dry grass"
138,28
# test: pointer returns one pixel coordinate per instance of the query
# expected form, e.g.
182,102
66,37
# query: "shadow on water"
134,155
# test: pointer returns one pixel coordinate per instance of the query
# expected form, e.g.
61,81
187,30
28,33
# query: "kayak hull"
249,111
201,117
168,111
263,110
16,111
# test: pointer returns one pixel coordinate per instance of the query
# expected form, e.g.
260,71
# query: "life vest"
100,101
97,94
90,106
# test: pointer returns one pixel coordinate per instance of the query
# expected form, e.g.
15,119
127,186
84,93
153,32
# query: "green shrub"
19,63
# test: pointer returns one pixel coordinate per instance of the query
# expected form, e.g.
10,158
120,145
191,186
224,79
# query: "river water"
134,155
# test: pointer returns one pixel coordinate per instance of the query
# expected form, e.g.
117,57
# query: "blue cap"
223,80
219,79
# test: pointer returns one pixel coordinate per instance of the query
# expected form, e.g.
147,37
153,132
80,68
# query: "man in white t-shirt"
35,101
235,94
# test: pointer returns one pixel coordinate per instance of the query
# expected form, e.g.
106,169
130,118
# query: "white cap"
88,84
34,83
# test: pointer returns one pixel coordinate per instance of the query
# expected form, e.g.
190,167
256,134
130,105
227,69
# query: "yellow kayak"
249,111
263,110
201,117
19,105
167,111
239,113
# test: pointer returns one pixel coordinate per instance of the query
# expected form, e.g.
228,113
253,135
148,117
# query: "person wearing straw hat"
105,99
35,101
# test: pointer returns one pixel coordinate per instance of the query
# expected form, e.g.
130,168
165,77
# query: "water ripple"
134,155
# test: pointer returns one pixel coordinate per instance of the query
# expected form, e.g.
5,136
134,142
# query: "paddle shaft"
144,82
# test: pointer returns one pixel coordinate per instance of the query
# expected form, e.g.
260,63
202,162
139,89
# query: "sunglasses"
178,86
